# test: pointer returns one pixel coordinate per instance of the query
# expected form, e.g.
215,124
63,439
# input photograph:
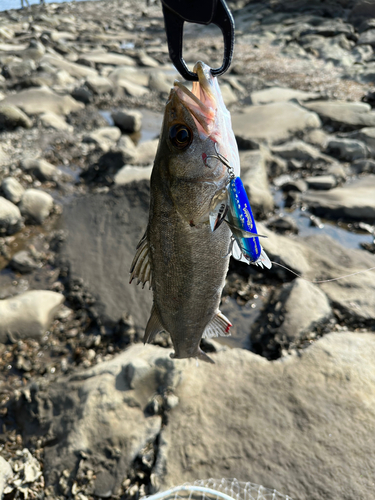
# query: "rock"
42,169
122,386
160,82
367,136
127,149
12,189
111,224
346,149
75,70
298,185
367,38
10,217
127,121
146,60
99,84
293,313
228,94
342,114
128,173
283,224
356,201
321,182
28,315
23,262
34,51
36,205
363,167
41,100
272,122
104,137
297,150
146,152
111,58
132,89
82,94
12,117
129,74
300,390
333,49
362,10
280,94
254,178
21,69
317,137
6,473
57,122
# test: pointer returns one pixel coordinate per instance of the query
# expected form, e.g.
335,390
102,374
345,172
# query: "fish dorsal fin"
218,326
141,265
153,327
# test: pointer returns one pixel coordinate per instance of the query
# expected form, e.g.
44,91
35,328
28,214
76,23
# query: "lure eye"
180,136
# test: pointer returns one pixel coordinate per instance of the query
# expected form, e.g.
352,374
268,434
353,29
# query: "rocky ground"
87,410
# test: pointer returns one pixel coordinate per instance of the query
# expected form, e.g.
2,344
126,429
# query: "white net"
219,489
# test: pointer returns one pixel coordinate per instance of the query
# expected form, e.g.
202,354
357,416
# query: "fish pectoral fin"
141,265
218,326
153,327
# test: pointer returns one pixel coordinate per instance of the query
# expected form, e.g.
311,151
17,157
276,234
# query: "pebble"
36,205
12,117
41,169
99,84
12,189
23,262
57,122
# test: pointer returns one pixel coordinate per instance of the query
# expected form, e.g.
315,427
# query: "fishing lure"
245,245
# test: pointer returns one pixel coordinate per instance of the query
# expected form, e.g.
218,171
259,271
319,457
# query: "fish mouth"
201,100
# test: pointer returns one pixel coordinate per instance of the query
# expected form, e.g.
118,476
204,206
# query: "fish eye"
180,136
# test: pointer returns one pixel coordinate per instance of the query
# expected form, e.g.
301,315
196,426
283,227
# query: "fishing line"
323,281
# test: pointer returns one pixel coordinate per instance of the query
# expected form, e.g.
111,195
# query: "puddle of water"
107,116
241,317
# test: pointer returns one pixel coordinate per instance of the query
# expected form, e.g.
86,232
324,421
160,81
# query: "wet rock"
367,38
82,94
283,224
41,169
299,393
363,167
367,135
255,180
41,100
104,137
272,122
10,217
28,315
12,117
12,189
6,474
297,150
36,205
127,121
23,262
99,84
321,182
356,201
57,122
298,185
128,173
111,224
347,115
293,313
280,94
346,149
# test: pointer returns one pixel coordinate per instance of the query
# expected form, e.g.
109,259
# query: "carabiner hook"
176,12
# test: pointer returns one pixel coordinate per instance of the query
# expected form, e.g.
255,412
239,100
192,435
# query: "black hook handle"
176,12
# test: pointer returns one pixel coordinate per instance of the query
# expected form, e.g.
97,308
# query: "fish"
183,254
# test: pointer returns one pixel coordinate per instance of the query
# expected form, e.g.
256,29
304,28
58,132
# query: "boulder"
28,315
255,180
10,217
12,189
12,117
41,169
41,100
127,121
36,205
342,114
272,122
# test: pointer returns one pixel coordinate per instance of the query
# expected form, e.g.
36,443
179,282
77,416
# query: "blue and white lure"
245,245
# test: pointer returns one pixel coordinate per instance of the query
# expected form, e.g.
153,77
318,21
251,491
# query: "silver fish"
184,260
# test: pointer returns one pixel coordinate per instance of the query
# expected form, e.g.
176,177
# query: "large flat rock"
290,424
103,232
347,115
280,94
356,201
42,100
272,122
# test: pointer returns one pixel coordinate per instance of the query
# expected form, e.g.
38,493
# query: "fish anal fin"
218,326
141,265
153,327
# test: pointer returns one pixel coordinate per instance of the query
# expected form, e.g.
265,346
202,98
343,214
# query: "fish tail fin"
153,327
218,326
